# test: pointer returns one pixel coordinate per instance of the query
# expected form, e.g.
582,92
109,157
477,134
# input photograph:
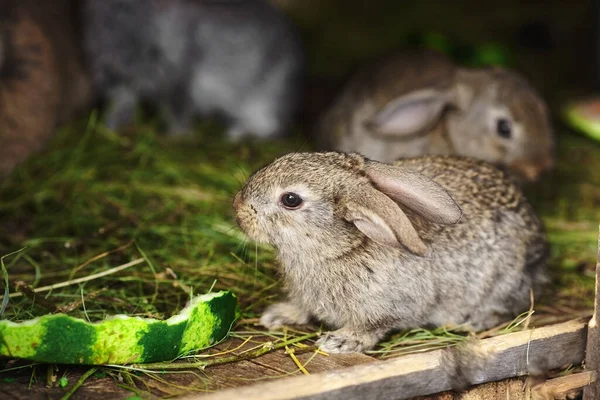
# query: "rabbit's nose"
531,169
533,172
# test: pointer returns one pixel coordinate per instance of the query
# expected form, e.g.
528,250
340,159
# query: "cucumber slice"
584,116
119,339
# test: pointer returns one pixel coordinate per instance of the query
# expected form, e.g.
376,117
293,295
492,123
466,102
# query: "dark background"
552,42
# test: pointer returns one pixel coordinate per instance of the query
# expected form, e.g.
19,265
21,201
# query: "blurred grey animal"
418,102
367,247
43,80
237,59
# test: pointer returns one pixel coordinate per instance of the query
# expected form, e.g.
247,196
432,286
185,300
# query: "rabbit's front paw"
347,341
281,314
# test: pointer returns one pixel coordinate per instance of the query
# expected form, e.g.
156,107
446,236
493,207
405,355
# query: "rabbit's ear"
411,113
415,191
378,217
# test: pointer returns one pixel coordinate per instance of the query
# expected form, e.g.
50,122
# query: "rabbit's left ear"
415,191
410,113
379,218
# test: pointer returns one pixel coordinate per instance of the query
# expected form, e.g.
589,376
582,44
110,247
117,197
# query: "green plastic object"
437,41
467,53
584,116
120,339
492,54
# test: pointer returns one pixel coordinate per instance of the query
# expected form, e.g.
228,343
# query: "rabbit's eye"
291,201
504,128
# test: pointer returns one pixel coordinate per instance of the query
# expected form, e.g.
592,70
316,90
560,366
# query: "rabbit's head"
492,114
323,203
503,121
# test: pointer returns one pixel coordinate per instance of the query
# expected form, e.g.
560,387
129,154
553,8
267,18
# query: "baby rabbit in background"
368,248
418,102
43,81
239,60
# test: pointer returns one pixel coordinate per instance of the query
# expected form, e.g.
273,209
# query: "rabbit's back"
489,261
476,185
342,127
484,193
390,76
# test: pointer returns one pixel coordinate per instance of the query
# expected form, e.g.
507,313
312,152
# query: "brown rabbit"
43,81
367,247
418,102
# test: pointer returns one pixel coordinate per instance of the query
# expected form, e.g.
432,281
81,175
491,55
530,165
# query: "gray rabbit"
43,79
368,247
236,59
418,102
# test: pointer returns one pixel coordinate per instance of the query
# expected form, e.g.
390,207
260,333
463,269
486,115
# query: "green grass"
140,195
94,200
170,202
568,201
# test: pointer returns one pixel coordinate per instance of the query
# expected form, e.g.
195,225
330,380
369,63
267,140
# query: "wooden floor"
335,376
273,365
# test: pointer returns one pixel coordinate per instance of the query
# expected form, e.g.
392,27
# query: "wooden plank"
513,389
274,365
558,388
510,355
522,389
592,357
283,363
240,373
236,375
319,363
93,389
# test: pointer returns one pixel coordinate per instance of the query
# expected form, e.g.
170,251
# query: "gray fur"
478,271
236,59
418,102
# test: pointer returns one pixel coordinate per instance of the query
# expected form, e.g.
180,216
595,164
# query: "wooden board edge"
592,356
509,355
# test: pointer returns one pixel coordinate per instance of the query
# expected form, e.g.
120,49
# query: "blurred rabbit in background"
419,102
238,60
43,81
